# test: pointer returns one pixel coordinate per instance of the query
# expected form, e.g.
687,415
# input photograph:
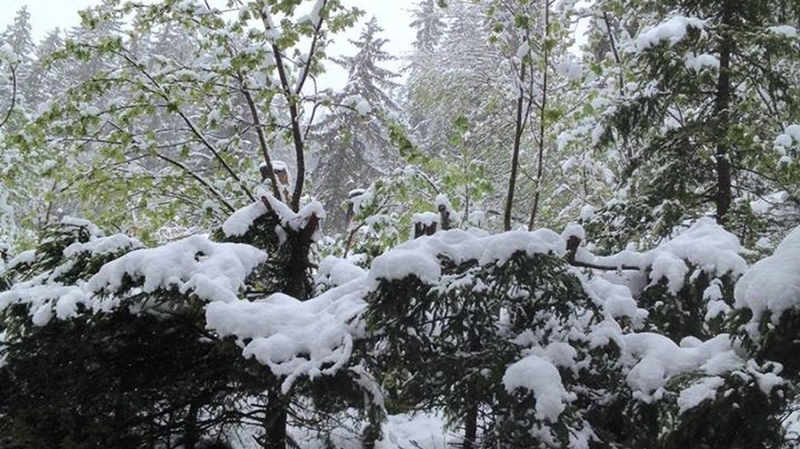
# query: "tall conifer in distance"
354,144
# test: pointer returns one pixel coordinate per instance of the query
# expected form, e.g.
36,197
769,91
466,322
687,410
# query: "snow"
773,283
573,230
766,381
587,212
660,359
398,264
697,393
81,223
523,50
699,62
442,202
673,269
334,271
359,104
239,222
616,299
279,166
783,30
46,300
419,430
541,377
104,245
24,258
426,219
672,31
569,69
783,140
793,131
294,338
705,245
212,271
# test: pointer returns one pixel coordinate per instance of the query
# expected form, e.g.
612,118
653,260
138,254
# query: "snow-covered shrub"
495,330
103,345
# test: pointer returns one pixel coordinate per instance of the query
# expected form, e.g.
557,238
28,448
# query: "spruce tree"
354,144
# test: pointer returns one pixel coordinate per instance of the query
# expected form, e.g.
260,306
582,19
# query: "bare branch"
13,69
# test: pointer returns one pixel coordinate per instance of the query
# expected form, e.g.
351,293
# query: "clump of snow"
103,245
239,222
398,264
773,283
425,218
294,338
359,104
615,299
289,219
573,230
419,430
335,271
212,271
570,69
668,266
81,223
783,140
699,62
710,247
784,30
705,245
46,300
706,388
443,203
660,359
793,131
541,377
587,212
672,31
24,258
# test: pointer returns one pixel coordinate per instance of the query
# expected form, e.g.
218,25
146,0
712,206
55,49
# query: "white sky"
393,16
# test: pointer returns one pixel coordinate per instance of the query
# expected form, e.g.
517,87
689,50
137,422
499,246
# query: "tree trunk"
276,419
518,128
191,435
471,427
722,154
542,119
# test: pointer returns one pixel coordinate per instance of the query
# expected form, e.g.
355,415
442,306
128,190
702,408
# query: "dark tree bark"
722,153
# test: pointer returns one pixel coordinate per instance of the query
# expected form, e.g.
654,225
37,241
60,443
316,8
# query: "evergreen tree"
430,26
354,144
707,96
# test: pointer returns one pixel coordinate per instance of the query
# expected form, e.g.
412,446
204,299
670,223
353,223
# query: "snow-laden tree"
707,90
353,143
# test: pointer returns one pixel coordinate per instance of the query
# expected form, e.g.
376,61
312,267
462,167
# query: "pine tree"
430,26
354,144
709,96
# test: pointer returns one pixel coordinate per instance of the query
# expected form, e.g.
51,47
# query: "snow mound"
672,31
541,377
705,245
294,338
773,283
658,359
421,257
212,271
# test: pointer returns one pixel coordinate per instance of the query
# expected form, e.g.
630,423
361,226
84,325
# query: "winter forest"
553,224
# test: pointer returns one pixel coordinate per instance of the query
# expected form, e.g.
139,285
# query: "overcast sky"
392,15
